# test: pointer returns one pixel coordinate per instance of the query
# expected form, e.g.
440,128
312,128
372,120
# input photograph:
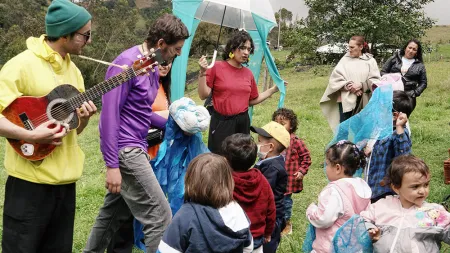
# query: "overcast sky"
438,10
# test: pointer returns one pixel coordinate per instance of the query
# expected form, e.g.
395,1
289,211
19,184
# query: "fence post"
266,75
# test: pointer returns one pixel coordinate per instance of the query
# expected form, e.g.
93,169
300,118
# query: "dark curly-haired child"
298,160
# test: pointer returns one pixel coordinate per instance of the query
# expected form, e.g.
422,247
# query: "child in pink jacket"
405,222
343,197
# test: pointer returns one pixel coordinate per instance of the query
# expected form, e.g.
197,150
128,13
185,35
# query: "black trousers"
38,217
223,126
343,116
123,239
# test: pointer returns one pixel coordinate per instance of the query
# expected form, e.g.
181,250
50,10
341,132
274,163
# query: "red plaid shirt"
297,159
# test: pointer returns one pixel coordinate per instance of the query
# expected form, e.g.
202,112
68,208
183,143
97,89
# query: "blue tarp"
175,153
374,122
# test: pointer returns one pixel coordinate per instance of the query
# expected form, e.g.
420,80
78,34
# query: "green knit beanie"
64,17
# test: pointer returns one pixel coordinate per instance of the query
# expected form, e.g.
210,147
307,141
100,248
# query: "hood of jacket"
364,56
223,230
42,50
247,186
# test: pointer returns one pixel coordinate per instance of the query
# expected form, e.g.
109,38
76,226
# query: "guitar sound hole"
60,111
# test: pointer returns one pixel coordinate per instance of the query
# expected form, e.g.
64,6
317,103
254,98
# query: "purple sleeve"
112,103
158,121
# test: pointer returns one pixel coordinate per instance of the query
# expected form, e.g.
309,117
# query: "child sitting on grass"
272,140
297,163
343,197
405,222
251,189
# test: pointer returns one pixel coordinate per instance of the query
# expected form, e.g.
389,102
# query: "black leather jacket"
415,80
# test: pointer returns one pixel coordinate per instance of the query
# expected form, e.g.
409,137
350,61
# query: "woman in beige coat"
349,88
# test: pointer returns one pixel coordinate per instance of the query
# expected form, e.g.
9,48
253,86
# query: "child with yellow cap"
273,138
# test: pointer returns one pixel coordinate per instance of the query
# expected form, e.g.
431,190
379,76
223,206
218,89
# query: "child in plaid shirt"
385,150
297,164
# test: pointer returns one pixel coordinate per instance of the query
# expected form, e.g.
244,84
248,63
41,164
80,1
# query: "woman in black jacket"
409,63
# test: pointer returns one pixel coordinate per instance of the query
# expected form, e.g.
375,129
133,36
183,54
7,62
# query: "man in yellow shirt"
39,208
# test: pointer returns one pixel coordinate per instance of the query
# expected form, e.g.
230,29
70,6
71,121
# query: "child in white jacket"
406,223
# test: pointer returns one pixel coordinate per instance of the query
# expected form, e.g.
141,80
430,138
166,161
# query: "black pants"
38,217
343,116
223,126
123,239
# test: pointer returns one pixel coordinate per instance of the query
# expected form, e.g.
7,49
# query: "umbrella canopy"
235,13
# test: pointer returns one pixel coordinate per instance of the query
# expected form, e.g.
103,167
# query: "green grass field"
430,130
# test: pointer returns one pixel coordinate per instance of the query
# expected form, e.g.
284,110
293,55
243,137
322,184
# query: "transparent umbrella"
234,14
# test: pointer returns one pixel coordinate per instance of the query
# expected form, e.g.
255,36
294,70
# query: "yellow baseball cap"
274,130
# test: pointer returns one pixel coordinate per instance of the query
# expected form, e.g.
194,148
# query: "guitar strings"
64,108
61,109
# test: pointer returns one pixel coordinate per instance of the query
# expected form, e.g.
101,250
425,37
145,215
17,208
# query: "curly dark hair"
238,39
169,28
289,115
419,55
347,155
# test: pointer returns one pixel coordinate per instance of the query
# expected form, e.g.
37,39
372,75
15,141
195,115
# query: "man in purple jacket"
125,119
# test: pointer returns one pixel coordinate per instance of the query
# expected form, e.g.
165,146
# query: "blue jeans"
288,203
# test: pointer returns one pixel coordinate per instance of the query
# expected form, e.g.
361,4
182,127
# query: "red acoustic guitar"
61,103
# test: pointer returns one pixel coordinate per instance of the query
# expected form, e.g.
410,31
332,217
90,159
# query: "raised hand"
401,119
203,63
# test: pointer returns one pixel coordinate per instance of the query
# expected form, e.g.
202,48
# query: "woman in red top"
233,90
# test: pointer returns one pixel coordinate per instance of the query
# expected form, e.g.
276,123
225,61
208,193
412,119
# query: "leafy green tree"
302,40
116,27
388,22
205,38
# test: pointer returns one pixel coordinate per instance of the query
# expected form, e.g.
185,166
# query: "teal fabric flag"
264,26
185,10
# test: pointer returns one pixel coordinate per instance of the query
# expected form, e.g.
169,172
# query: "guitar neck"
103,87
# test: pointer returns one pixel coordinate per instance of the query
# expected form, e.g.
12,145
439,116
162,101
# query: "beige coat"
359,70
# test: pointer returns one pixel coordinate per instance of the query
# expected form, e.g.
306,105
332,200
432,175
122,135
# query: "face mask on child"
262,155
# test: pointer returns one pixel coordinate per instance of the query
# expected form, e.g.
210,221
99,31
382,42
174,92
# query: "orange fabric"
160,104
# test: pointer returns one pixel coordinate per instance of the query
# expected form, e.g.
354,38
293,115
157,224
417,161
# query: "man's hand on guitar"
50,132
87,110
113,180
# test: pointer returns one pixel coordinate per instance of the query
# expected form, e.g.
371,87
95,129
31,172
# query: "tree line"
120,24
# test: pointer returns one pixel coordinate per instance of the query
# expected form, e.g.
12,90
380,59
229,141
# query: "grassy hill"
430,133
438,34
